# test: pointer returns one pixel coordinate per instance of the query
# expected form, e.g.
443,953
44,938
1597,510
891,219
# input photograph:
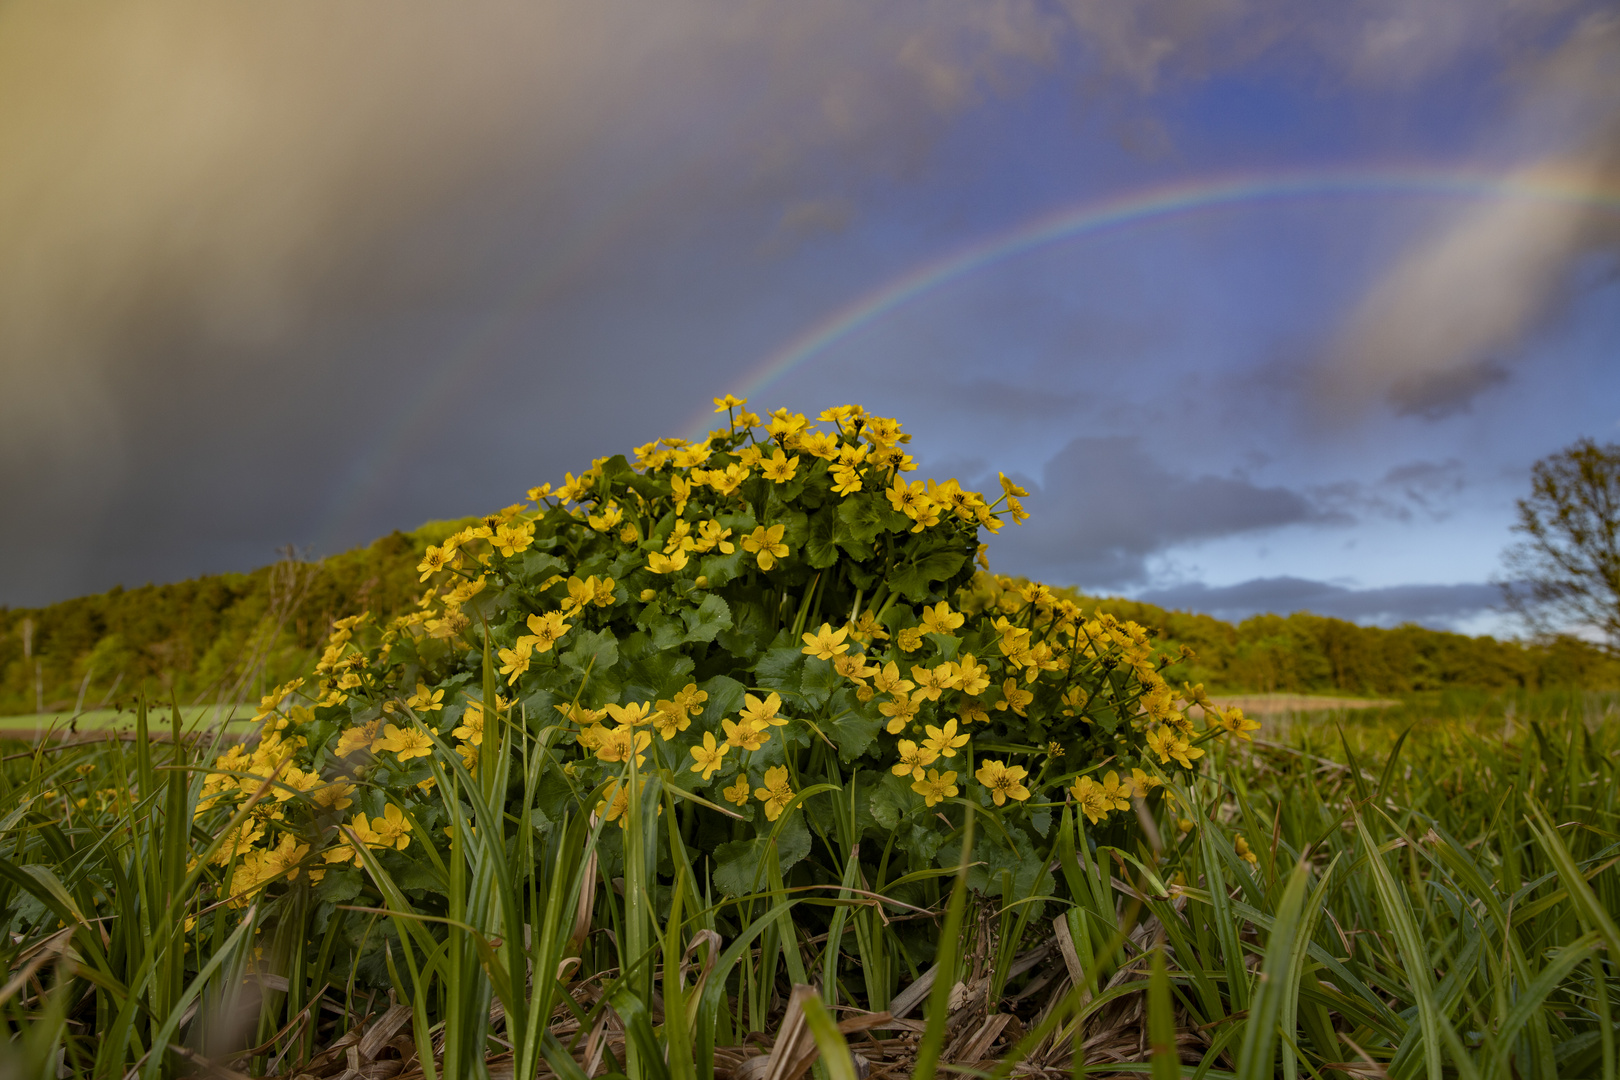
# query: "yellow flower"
712,536
1169,743
708,757
357,739
606,518
1243,852
913,759
779,468
632,715
888,680
659,563
670,720
405,744
746,735
392,829
535,494
931,683
1089,795
690,699
283,859
1096,800
433,561
1142,783
471,729
900,712
737,794
509,540
1233,722
725,481
425,700
680,538
846,479
621,742
944,741
1004,781
763,713
1014,698
776,794
853,667
547,629
292,781
334,796
727,403
909,639
940,619
766,542
826,643
615,803
363,831
935,787
515,661
909,499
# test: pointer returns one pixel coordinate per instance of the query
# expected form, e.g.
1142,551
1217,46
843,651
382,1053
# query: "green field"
1431,894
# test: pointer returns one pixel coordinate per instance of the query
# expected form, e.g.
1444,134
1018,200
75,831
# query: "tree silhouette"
1564,575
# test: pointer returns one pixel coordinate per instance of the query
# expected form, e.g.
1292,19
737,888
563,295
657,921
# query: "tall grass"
1425,903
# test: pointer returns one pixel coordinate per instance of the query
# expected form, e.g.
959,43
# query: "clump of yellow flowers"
773,609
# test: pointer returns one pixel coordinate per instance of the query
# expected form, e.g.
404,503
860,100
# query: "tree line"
227,637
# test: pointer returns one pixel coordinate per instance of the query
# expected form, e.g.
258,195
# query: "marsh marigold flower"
766,542
1004,781
776,792
826,643
935,787
405,744
706,759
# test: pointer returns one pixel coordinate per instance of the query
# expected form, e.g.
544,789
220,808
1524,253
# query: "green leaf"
750,631
863,516
891,801
537,566
739,866
915,580
339,886
420,875
584,646
710,617
820,548
854,725
723,569
819,681
781,668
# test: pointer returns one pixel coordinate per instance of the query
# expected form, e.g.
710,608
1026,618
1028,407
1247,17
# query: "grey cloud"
239,244
1429,488
1104,506
1438,328
1438,606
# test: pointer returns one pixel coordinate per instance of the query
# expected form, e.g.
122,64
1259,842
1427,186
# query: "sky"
1272,306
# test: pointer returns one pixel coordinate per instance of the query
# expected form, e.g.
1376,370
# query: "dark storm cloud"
1104,505
238,246
1439,606
241,245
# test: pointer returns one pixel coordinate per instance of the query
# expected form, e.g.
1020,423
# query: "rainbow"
374,465
1134,207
